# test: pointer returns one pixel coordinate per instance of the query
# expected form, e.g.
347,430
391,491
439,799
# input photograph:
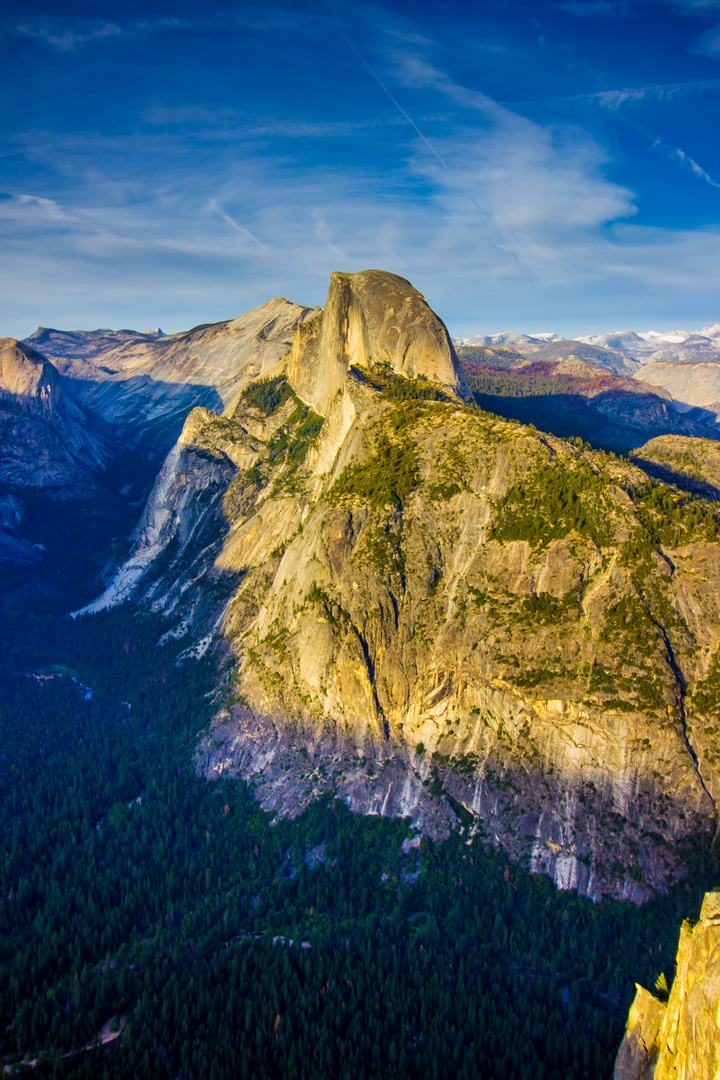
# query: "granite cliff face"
695,387
434,612
47,440
680,1039
370,319
145,384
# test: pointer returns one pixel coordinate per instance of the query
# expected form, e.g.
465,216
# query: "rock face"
692,385
145,384
47,441
680,1039
434,612
371,319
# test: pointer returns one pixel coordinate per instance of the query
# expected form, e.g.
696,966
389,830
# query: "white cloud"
522,228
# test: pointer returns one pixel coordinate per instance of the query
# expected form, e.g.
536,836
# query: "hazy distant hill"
145,384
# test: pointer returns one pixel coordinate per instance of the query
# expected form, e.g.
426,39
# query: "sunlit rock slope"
434,612
679,1039
144,384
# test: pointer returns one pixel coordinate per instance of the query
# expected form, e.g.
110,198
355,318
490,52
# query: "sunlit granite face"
680,1040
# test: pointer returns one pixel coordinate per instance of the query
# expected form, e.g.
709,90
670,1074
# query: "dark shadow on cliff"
145,413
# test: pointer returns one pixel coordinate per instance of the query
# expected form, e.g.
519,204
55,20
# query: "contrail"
684,159
221,212
397,105
409,119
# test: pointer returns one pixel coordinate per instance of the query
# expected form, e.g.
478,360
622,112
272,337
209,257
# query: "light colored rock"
371,318
410,653
145,385
691,385
680,1040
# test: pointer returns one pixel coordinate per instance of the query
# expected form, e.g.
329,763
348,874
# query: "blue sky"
527,166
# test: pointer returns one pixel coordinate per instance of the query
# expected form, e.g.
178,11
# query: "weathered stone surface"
454,617
145,384
691,385
680,1040
47,441
370,318
638,1053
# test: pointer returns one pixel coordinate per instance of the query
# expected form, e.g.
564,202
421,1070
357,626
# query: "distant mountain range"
667,382
675,346
423,607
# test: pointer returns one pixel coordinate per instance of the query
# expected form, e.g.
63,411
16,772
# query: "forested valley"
157,925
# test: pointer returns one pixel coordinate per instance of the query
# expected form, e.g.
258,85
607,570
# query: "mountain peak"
370,318
27,377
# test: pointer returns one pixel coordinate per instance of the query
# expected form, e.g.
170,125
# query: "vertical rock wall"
680,1040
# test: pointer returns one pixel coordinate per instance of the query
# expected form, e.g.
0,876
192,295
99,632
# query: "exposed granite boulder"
371,318
680,1040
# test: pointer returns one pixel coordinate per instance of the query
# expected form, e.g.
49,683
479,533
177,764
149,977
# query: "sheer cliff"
49,442
679,1038
434,612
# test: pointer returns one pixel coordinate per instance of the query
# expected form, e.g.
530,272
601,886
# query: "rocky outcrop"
47,441
145,384
680,1039
434,612
692,385
27,380
370,319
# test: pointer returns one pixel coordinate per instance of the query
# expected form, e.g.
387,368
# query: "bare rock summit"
370,318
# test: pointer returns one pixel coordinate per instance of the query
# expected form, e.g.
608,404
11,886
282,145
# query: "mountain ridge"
431,611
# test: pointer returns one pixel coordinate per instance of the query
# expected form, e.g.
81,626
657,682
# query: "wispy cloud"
674,153
208,208
708,44
615,99
69,34
622,8
593,9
